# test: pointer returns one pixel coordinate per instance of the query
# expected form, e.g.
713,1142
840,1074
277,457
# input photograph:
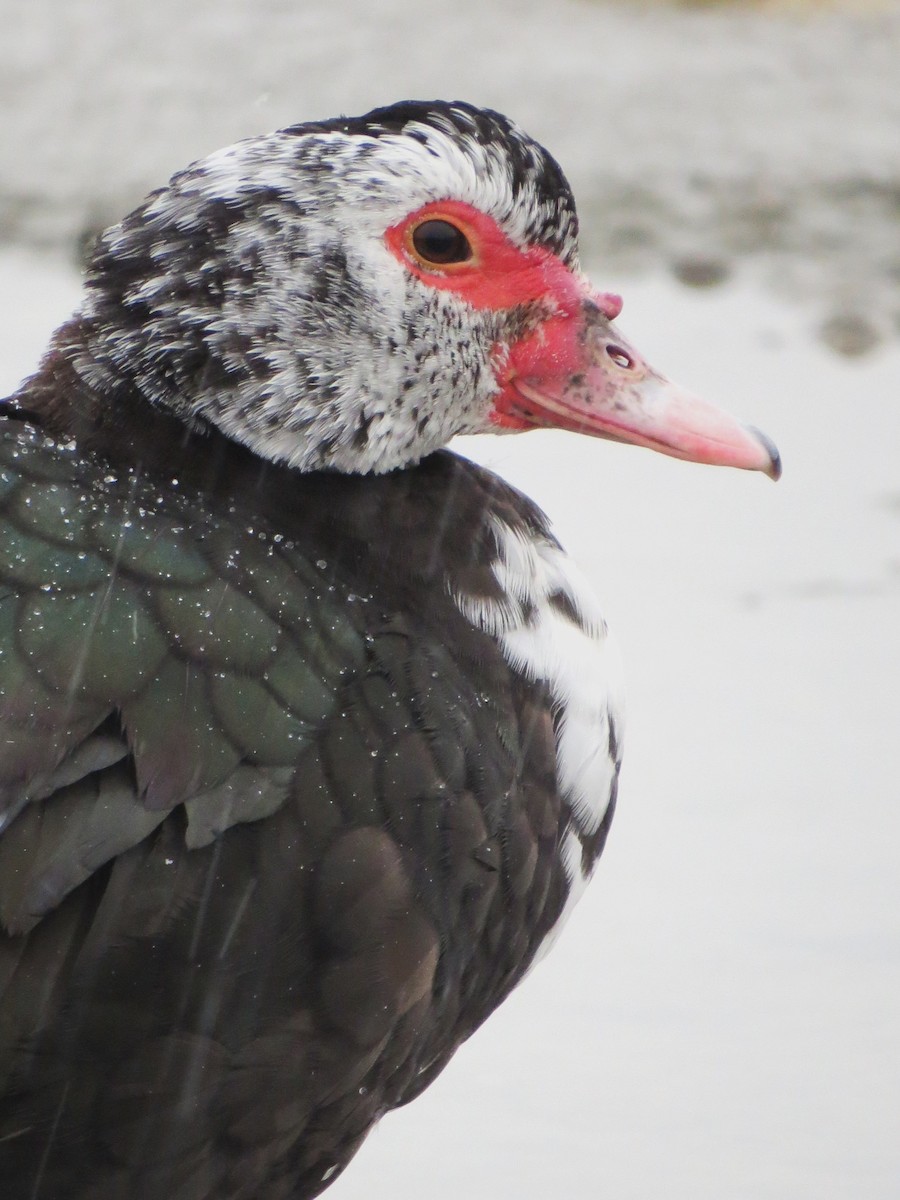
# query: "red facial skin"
574,371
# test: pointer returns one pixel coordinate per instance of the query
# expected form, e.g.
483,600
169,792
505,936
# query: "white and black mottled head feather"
255,292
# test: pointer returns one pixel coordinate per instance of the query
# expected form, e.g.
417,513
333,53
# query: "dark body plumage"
202,1003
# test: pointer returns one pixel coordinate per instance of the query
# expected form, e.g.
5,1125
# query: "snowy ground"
721,1020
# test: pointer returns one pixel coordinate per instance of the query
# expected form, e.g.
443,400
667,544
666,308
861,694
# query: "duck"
311,731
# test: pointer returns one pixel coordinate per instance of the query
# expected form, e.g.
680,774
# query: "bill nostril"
620,357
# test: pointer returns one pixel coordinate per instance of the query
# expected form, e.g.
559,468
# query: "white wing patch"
550,628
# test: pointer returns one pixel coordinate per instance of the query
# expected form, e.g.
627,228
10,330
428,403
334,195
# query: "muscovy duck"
310,730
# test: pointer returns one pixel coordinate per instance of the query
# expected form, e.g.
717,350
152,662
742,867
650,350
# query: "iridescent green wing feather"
132,622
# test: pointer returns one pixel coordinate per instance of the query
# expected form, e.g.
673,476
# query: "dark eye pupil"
440,242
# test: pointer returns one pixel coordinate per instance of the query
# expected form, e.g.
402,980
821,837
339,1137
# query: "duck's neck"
109,418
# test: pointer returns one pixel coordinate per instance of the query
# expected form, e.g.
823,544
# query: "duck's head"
353,293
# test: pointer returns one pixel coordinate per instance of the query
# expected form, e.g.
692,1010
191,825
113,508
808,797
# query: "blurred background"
721,1019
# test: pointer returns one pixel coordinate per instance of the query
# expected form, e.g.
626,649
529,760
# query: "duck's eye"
440,243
